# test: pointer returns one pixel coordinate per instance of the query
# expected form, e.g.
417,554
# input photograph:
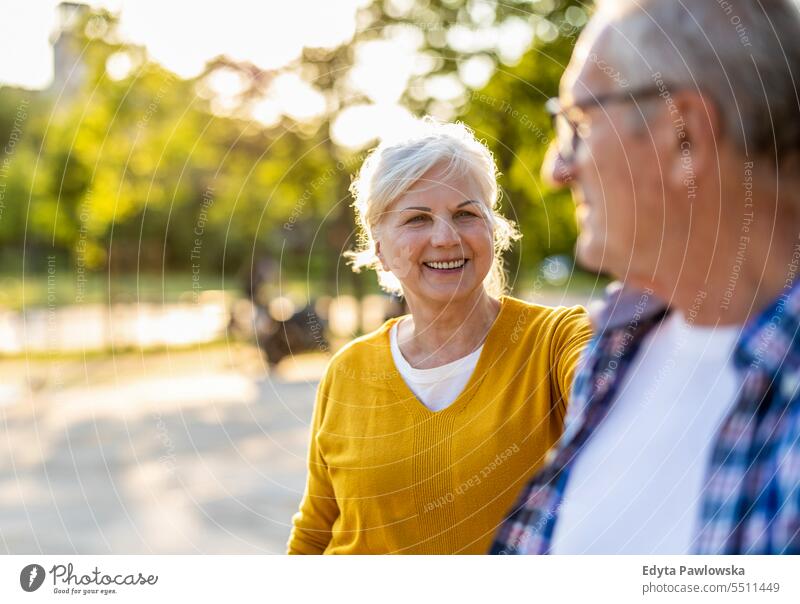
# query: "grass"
61,288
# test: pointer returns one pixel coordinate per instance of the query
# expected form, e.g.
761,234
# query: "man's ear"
696,124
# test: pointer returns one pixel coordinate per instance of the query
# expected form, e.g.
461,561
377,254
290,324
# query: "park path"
199,451
189,452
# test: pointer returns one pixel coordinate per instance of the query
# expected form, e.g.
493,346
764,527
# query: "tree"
139,169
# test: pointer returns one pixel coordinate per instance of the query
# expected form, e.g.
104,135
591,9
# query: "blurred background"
173,213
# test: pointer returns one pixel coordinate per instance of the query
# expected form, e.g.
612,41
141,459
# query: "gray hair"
744,54
394,166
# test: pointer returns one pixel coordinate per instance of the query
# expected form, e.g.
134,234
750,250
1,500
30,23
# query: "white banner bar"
385,579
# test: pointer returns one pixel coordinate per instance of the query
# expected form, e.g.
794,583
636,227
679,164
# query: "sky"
180,35
184,35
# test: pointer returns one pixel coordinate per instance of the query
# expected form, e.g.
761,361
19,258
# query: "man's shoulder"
787,405
784,433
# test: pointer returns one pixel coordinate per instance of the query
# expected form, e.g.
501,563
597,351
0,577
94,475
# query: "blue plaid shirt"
751,497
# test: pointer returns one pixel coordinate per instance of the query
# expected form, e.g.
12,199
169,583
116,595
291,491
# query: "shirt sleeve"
572,334
311,525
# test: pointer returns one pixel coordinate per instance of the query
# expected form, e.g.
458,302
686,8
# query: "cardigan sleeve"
573,332
312,524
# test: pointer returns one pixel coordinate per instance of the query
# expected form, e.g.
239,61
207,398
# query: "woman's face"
437,239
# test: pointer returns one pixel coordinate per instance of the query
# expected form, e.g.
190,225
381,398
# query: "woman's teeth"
446,265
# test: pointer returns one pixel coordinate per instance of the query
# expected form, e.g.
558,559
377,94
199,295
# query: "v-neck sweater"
388,475
437,387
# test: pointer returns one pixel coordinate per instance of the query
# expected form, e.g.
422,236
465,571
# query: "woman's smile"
446,266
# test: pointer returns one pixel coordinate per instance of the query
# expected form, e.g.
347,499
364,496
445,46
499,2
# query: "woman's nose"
444,233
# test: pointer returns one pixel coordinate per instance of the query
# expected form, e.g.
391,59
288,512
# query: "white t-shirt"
438,387
635,487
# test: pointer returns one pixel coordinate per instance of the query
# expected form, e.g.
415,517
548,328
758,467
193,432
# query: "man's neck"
741,285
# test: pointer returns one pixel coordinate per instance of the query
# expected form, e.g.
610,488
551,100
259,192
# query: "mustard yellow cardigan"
387,475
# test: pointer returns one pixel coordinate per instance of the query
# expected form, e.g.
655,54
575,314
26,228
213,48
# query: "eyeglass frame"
555,110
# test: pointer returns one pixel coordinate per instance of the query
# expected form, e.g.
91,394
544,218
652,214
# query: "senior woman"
425,430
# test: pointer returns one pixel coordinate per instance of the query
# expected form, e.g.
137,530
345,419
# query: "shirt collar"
764,343
623,305
769,338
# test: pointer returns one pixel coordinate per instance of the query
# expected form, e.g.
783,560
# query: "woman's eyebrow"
426,209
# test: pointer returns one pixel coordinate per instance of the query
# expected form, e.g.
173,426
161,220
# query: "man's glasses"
571,125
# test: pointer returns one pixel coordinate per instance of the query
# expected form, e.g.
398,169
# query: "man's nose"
556,171
444,233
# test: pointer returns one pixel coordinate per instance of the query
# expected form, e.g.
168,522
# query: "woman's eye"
416,219
465,214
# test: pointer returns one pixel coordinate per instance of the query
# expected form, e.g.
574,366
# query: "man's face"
614,173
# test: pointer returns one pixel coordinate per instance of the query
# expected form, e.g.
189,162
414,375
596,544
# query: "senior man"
678,130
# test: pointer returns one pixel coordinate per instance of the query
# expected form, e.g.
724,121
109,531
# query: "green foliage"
509,114
138,173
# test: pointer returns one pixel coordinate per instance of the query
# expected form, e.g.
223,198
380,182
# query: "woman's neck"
439,334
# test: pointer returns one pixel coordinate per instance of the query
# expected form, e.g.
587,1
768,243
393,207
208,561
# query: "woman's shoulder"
523,317
366,350
517,306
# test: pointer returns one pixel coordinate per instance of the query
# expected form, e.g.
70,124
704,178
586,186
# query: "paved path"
186,452
200,452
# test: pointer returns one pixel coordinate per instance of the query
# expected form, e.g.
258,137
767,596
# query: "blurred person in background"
683,433
425,430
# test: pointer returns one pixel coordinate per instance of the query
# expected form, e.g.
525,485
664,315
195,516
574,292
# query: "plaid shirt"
751,497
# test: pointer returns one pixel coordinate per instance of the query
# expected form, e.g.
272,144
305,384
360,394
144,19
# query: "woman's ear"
378,253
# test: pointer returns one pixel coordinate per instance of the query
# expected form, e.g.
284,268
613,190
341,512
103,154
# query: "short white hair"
743,53
393,167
